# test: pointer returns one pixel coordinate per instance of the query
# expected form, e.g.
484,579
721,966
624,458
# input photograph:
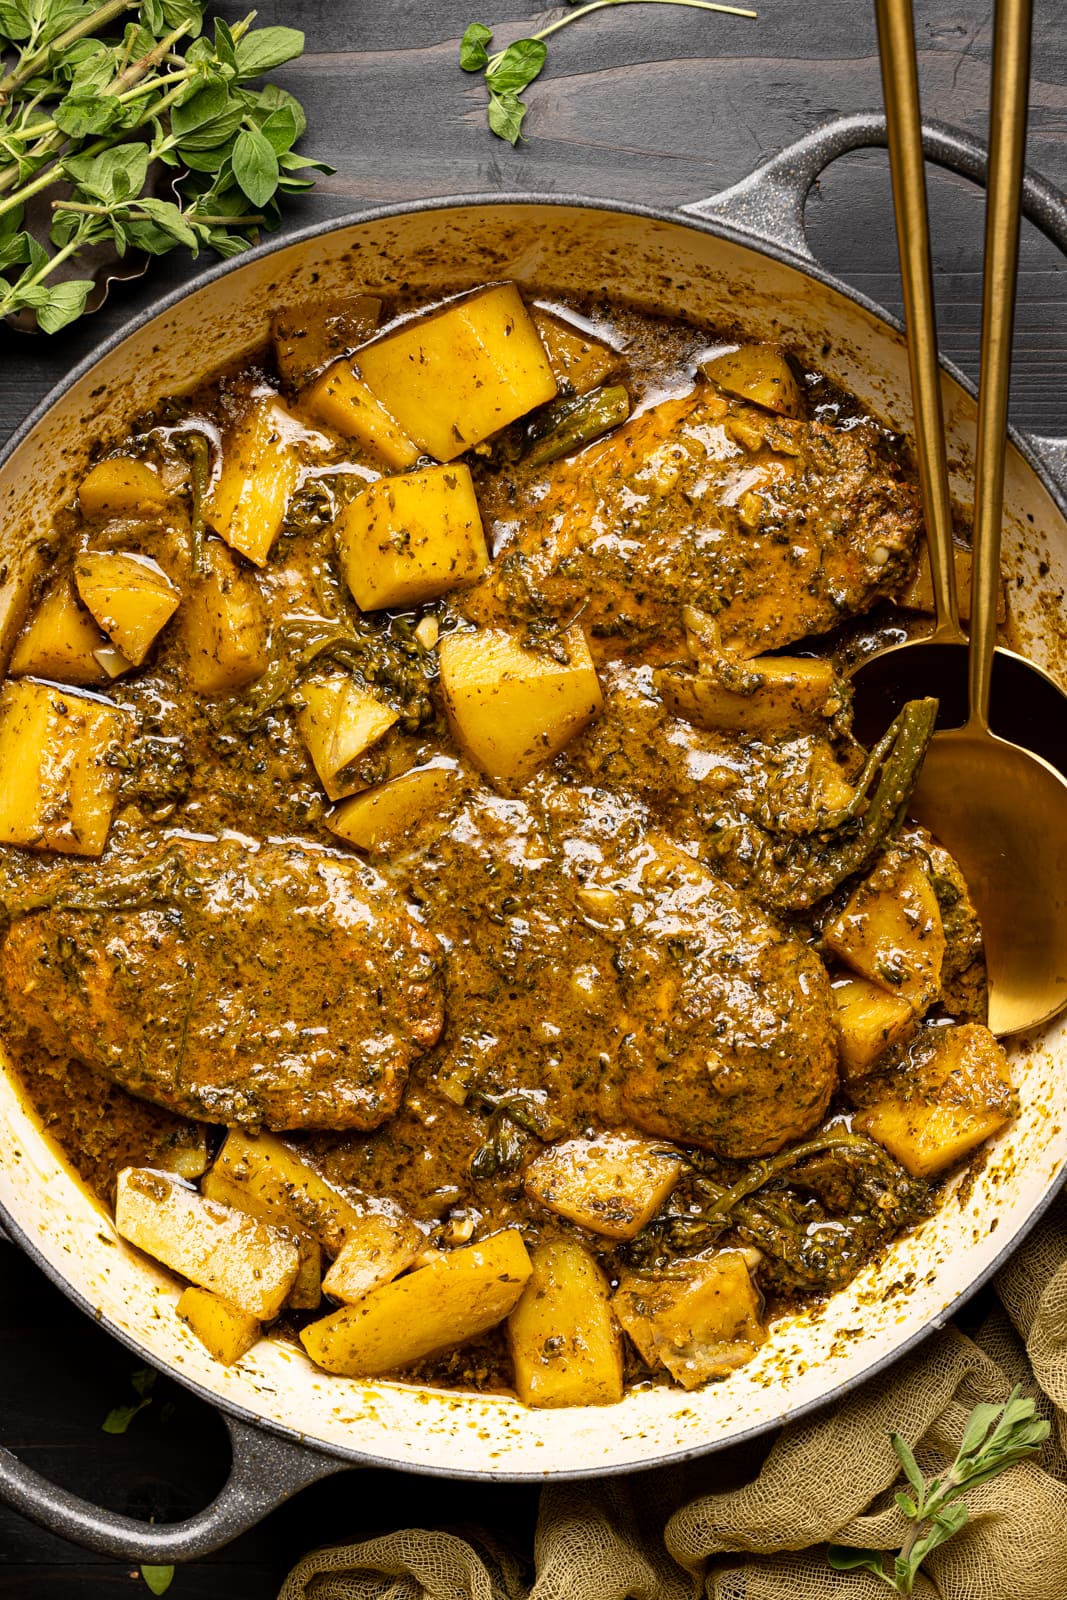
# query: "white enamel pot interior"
680,267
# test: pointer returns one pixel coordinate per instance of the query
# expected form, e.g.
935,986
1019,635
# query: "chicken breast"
729,1037
269,985
779,527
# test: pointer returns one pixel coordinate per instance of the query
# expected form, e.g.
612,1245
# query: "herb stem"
143,216
602,5
78,30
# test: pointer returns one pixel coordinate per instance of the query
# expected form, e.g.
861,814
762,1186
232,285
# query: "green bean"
570,423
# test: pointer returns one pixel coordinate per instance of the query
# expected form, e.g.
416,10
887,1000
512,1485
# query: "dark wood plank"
645,104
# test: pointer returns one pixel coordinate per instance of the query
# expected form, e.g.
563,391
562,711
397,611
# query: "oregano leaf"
255,165
517,66
473,55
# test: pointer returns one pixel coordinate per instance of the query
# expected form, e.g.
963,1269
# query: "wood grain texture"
641,104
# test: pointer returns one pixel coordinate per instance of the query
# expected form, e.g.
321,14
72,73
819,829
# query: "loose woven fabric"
731,1528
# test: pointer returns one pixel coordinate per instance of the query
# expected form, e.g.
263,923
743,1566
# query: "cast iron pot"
738,259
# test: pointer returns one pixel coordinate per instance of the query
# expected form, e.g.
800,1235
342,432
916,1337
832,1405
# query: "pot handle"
769,204
265,1471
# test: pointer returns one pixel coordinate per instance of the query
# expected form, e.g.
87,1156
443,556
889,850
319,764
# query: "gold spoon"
1001,810
1024,698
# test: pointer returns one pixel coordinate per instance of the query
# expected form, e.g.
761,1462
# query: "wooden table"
642,104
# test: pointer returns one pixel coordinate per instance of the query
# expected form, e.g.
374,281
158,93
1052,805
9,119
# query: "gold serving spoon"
1000,810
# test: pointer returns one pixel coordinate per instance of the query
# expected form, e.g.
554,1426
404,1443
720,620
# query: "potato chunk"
380,817
130,596
407,540
513,709
342,401
306,1293
60,640
57,785
869,1022
245,1261
766,695
224,626
375,1252
227,1331
259,473
891,932
950,1093
338,722
759,373
271,1172
454,377
611,1185
700,1320
565,1347
425,1313
121,487
577,359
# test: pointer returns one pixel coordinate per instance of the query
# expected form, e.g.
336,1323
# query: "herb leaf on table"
95,110
511,71
994,1439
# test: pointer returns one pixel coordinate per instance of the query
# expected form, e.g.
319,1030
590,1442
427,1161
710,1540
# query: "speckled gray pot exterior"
739,260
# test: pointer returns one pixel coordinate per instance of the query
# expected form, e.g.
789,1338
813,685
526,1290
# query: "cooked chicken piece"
621,980
269,985
729,1028
780,527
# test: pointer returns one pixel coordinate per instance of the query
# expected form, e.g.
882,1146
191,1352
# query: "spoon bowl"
1002,812
1027,705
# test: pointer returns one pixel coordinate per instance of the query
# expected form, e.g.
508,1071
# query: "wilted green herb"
510,71
158,1579
102,114
995,1438
117,1421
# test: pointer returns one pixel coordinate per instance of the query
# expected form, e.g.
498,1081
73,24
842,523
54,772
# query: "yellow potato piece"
227,1331
513,709
406,540
57,785
454,377
130,596
257,479
766,695
224,626
700,1319
306,1293
272,1172
342,401
953,1091
60,641
869,1022
890,931
375,1252
338,721
577,360
565,1346
380,817
185,1152
759,373
121,487
245,1261
610,1185
425,1313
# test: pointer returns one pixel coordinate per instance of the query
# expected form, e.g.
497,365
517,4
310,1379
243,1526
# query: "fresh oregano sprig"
510,71
995,1438
98,107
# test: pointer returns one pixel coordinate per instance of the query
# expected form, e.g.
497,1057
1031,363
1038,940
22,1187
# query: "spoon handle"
900,88
1007,153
